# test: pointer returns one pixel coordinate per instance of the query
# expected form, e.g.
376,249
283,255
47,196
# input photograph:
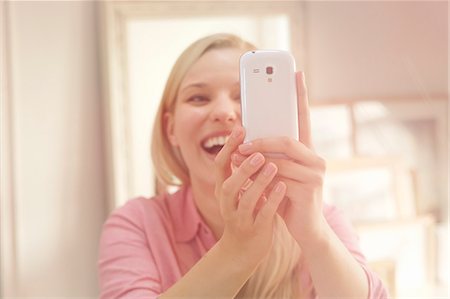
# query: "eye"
197,99
237,97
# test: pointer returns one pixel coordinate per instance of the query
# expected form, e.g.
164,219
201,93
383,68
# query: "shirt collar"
184,214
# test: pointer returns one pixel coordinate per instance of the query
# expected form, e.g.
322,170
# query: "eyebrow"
198,85
202,85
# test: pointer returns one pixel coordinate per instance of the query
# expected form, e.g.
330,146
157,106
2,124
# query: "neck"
208,205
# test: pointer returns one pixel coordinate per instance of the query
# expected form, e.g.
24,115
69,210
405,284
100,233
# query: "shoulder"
142,213
134,248
129,223
139,210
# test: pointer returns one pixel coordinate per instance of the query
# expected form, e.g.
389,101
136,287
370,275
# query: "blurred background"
80,82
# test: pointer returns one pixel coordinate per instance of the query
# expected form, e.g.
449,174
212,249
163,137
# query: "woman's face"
207,108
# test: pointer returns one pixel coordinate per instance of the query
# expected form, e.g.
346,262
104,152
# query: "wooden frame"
113,20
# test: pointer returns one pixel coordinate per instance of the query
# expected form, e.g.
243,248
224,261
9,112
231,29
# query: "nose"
225,109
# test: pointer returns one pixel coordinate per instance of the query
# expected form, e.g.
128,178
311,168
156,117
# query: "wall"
388,48
59,185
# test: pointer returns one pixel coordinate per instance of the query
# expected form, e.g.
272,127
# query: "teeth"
219,140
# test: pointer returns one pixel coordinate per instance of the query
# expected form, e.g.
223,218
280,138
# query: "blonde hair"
277,276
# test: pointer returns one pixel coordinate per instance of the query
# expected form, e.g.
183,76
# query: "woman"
241,225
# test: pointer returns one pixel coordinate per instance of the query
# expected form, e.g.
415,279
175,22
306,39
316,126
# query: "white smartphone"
268,94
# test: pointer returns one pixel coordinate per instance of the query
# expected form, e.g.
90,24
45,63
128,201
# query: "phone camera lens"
269,70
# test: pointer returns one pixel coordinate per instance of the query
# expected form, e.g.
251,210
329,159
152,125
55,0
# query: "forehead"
214,63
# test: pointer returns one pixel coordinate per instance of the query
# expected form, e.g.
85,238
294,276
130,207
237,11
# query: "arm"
346,235
247,236
219,274
334,270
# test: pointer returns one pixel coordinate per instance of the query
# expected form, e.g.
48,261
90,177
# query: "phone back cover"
268,102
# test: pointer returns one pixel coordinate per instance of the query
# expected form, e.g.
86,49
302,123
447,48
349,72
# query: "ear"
169,125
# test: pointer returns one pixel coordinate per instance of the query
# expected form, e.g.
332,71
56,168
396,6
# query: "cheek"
188,123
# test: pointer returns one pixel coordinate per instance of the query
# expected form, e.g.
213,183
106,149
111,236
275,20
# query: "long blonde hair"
277,276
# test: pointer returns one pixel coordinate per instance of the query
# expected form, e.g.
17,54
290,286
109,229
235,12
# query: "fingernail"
245,147
236,132
269,169
280,187
256,159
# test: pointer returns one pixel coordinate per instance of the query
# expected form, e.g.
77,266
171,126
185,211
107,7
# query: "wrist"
308,228
318,242
235,259
220,268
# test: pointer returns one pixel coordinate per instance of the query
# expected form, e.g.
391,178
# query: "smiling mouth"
213,145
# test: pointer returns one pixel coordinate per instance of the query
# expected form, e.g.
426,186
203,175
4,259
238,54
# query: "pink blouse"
149,244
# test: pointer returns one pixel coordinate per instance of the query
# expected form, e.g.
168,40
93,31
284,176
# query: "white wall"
59,185
376,48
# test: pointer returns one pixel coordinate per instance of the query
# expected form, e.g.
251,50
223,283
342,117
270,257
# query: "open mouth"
213,145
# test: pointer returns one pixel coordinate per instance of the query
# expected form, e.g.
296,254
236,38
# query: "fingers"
229,185
304,124
223,159
250,198
251,167
269,209
237,158
298,172
290,147
287,168
232,185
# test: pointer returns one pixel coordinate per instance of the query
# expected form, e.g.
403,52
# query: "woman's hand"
302,171
248,215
